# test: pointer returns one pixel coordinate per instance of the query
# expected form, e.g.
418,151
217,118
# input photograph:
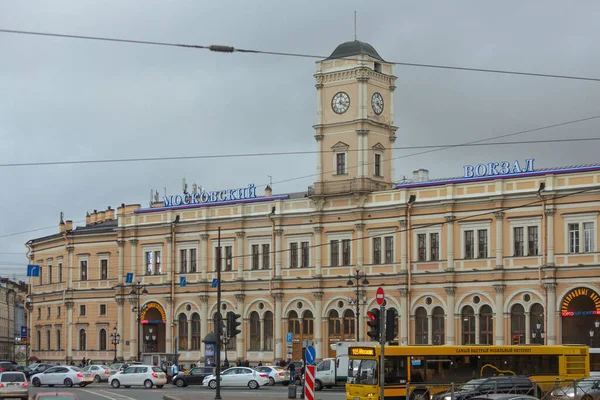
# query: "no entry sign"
380,296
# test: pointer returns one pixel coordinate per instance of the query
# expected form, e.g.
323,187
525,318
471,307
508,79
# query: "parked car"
512,384
238,377
100,372
275,374
139,375
62,375
586,389
36,369
7,366
195,376
14,384
55,396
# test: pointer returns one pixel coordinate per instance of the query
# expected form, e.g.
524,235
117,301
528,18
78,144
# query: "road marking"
112,396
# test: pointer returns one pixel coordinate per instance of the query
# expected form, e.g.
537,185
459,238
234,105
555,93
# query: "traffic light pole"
382,355
218,329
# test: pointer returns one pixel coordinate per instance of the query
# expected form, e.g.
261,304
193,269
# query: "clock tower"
355,130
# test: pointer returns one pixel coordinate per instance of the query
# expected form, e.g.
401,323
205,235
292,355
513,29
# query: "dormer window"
377,67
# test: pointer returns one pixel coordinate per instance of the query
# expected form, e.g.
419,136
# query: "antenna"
354,24
270,180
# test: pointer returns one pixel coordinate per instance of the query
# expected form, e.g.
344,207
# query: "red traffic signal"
374,323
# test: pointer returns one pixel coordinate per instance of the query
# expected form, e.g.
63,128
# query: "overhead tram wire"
231,49
288,153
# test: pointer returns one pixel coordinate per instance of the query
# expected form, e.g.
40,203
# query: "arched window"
536,321
82,340
58,340
183,331
103,339
468,325
517,324
39,340
48,346
307,323
349,324
335,324
438,326
293,323
268,331
254,331
421,326
486,325
196,334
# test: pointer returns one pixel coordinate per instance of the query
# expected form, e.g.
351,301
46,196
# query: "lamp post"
538,335
150,339
137,289
358,301
225,344
115,339
593,331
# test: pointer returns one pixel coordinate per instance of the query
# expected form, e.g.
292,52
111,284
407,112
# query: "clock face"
340,102
377,103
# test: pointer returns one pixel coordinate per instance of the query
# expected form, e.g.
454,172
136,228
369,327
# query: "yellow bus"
429,370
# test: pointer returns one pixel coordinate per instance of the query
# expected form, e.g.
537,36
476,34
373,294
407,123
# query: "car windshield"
472,385
156,369
12,377
76,369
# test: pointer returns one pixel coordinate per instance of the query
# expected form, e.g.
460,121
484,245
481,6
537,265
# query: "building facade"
12,318
506,253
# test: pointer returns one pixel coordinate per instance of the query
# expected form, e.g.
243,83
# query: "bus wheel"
419,394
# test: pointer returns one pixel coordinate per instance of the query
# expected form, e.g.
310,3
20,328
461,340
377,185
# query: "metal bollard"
292,391
452,391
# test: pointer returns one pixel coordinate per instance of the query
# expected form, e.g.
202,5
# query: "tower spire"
354,24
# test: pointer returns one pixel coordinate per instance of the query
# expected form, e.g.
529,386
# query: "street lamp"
358,301
137,289
115,339
150,339
538,335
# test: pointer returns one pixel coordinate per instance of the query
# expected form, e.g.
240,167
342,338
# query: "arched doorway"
153,328
580,309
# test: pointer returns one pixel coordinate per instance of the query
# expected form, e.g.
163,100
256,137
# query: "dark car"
7,366
195,376
513,384
36,370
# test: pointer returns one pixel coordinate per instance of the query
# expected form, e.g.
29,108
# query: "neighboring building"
12,298
497,256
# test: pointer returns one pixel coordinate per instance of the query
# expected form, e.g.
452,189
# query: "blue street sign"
289,337
129,277
182,281
23,331
33,270
310,355
215,282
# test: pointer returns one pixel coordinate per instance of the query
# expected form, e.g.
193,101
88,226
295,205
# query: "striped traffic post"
309,382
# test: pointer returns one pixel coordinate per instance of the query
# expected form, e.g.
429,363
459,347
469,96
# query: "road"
104,392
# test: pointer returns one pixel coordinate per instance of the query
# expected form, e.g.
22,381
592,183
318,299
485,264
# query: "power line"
284,153
231,49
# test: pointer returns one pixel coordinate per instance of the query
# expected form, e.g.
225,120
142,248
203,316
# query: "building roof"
354,48
103,227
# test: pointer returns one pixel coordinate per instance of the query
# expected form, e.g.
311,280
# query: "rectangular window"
83,270
193,265
305,255
346,252
588,237
102,309
82,310
532,238
422,247
376,250
58,346
389,249
183,261
335,252
266,255
59,272
229,258
377,164
434,239
48,312
157,265
255,256
340,163
573,238
58,311
469,245
293,255
482,245
104,269
518,242
149,264
49,273
39,312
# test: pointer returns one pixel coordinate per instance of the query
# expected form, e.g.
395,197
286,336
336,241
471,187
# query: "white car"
100,372
275,374
138,375
238,377
62,375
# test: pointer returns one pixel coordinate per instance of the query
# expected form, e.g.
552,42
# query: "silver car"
13,384
100,372
585,389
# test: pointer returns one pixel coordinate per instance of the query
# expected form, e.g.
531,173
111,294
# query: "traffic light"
232,324
373,323
218,323
516,338
390,324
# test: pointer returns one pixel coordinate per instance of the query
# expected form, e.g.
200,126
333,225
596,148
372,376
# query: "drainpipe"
172,305
409,204
270,215
544,233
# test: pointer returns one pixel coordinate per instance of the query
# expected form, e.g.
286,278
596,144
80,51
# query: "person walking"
292,369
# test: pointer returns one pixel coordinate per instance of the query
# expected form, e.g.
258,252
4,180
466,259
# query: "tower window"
340,163
377,164
377,67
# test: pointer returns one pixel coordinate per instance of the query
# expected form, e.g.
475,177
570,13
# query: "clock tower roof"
354,48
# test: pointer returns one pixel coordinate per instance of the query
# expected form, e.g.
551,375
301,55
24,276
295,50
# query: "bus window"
439,369
395,370
465,368
362,372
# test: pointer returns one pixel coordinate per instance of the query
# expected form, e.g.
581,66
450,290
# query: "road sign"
33,270
309,386
379,296
215,282
289,337
23,331
182,281
310,355
129,277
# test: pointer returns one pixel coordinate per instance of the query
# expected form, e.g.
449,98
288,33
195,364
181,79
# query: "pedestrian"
260,363
83,362
292,369
174,370
238,363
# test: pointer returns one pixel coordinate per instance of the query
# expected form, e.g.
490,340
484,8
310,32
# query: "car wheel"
115,383
179,383
586,397
212,384
420,395
318,385
271,381
97,379
148,384
159,386
253,385
36,382
285,383
68,382
82,384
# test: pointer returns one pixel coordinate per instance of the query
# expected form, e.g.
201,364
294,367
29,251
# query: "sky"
66,99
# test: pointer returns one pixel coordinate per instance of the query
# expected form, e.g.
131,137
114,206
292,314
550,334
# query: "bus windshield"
363,372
